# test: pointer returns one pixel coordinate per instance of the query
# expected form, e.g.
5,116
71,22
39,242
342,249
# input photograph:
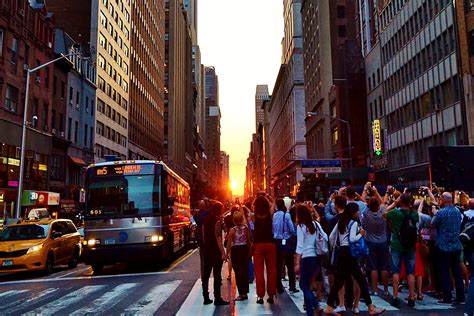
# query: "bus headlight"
154,238
93,242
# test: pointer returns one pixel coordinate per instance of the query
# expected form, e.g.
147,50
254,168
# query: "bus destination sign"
124,170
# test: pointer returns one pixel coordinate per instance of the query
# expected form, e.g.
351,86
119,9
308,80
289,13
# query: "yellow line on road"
174,265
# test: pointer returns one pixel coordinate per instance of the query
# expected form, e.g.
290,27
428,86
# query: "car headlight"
93,242
35,248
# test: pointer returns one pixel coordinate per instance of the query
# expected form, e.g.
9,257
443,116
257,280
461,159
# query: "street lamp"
310,114
24,126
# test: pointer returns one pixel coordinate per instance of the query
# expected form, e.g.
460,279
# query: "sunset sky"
242,39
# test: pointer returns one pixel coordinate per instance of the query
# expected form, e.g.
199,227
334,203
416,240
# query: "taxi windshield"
24,232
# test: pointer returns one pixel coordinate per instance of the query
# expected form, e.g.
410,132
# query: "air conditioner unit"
77,106
70,102
38,79
26,67
61,134
21,12
53,131
50,45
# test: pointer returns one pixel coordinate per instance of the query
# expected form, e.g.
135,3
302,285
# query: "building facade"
261,94
287,108
422,85
104,30
147,94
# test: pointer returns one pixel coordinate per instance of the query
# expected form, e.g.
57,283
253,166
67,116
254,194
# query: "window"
61,122
45,116
100,106
53,119
125,86
69,126
71,94
102,40
76,131
87,104
335,136
341,30
101,62
55,83
78,96
57,167
101,83
103,19
63,89
125,31
100,129
125,50
14,50
11,98
341,12
1,42
34,112
86,130
46,77
108,112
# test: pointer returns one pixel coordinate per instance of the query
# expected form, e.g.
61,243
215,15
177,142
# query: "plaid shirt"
448,223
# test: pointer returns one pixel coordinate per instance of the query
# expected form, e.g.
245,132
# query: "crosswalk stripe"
149,304
106,301
428,303
65,301
21,303
193,304
250,307
11,293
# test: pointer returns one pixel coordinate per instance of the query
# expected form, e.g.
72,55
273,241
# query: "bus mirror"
169,211
170,201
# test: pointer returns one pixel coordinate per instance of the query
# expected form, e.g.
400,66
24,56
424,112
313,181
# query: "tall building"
335,87
287,108
213,128
178,90
225,175
147,94
422,85
26,41
266,148
261,94
104,29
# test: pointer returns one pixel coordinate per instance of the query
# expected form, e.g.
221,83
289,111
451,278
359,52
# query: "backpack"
321,243
467,232
408,235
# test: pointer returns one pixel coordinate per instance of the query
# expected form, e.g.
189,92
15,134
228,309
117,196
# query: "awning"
77,161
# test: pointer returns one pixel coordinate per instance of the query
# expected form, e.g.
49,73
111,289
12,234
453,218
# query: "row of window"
415,24
436,99
108,4
112,93
109,133
112,72
113,52
431,55
88,133
111,113
101,151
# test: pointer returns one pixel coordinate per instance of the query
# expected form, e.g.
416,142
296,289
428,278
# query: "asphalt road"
176,290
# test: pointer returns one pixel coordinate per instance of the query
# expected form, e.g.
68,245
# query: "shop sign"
33,196
43,167
14,162
2,196
13,184
3,160
53,198
377,137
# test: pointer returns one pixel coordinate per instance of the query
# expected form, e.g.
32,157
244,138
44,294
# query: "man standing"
213,254
448,224
403,221
469,255
284,235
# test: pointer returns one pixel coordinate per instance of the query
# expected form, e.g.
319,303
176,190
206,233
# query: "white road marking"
149,304
22,303
72,272
106,301
65,301
250,307
193,305
11,293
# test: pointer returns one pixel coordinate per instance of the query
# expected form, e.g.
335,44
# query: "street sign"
321,166
82,196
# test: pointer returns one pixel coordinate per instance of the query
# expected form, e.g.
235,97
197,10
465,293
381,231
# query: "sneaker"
207,301
443,302
340,309
220,302
396,302
260,300
377,311
411,303
355,310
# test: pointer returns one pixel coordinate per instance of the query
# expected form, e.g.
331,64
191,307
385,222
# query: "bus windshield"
124,196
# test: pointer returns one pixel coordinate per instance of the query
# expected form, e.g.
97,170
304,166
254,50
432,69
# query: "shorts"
379,256
408,257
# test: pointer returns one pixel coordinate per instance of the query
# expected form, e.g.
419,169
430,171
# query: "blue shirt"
448,223
283,228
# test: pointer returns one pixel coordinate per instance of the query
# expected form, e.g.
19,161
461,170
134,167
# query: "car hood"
18,244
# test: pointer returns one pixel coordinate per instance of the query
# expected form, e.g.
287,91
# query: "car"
39,245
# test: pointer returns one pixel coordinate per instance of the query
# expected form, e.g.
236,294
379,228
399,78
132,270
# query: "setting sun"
233,185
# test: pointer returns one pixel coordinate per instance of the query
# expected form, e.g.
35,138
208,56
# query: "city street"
176,290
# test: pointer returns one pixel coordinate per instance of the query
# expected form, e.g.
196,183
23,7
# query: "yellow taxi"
39,245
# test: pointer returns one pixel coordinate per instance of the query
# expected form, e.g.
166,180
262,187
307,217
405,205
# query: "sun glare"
233,185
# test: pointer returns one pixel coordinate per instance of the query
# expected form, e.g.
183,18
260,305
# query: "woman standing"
265,251
347,266
308,264
238,245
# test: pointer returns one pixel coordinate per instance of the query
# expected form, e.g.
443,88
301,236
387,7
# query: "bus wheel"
98,268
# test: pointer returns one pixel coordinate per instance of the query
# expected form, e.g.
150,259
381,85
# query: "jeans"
265,257
396,261
289,260
310,268
239,256
469,308
449,262
251,271
214,265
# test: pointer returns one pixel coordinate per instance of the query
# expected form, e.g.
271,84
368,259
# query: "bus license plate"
8,263
110,241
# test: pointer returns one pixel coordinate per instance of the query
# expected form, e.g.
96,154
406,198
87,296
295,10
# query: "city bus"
136,211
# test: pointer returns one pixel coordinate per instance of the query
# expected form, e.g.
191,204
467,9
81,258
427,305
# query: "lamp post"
24,127
309,114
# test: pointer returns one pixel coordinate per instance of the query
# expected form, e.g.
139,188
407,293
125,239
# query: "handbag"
359,248
288,245
321,242
424,247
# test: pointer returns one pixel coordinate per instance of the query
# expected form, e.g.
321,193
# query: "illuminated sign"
124,170
43,167
377,137
14,162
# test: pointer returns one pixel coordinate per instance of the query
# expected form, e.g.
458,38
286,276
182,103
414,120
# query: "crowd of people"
350,247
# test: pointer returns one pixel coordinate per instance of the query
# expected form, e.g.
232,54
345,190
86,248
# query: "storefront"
7,204
34,199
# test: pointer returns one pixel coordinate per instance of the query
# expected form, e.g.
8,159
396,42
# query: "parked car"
39,245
